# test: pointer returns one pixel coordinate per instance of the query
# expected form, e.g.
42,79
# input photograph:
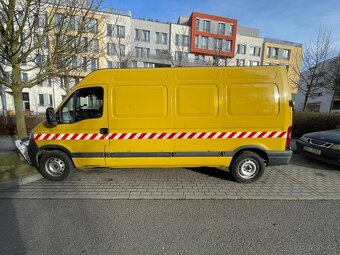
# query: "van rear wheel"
55,165
247,167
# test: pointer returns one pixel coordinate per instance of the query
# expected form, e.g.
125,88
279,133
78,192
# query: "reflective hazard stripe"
163,136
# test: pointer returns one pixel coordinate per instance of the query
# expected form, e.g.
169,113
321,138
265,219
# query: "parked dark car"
323,145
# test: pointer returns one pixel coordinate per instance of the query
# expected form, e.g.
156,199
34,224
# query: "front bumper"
327,155
28,149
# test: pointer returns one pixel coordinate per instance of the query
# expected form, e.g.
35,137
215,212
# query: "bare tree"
180,49
44,37
314,66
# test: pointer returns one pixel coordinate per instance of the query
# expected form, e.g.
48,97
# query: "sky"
294,20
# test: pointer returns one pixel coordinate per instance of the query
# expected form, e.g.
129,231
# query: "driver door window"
85,104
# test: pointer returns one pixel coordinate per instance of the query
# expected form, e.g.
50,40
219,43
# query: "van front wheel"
247,167
55,165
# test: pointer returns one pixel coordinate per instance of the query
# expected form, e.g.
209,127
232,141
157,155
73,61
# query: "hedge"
306,122
7,125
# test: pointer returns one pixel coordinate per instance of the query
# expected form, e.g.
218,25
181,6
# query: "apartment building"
248,47
289,54
197,40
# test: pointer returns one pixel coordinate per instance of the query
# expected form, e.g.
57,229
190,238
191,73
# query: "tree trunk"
332,102
18,103
19,114
305,103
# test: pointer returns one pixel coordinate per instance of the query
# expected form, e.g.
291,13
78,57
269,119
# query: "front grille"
320,143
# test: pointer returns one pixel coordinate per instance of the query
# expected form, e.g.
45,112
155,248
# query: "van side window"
85,104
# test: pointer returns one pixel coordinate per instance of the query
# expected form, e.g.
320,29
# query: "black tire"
247,167
55,165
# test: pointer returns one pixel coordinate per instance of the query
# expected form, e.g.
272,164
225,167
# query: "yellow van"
236,117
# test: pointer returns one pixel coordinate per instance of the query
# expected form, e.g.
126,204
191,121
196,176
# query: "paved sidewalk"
304,178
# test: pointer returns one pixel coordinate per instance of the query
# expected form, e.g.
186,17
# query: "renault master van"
234,117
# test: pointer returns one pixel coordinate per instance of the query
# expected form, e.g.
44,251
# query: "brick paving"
304,178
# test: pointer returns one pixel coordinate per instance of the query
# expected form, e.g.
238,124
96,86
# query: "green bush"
306,122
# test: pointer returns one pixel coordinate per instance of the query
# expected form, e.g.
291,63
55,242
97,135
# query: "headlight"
336,146
303,138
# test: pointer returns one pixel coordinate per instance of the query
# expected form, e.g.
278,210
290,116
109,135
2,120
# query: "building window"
196,41
231,29
177,40
142,35
109,29
50,100
181,56
110,64
241,49
336,105
73,23
41,100
92,26
185,40
120,31
161,38
121,50
286,54
110,49
240,62
84,64
134,64
205,41
24,76
142,52
218,45
273,52
228,46
206,26
255,51
197,24
94,46
254,63
94,64
221,28
165,38
148,65
158,37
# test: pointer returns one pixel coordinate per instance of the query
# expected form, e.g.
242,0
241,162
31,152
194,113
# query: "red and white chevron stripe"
162,136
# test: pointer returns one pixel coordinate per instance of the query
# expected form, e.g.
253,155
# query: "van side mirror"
51,116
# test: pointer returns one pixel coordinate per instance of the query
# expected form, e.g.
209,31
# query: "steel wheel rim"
55,166
247,168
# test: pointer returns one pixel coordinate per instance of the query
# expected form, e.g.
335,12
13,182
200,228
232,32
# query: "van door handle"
104,131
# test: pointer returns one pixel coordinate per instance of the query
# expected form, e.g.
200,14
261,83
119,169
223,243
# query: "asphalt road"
169,227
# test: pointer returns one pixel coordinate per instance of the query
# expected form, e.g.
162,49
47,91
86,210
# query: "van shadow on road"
213,172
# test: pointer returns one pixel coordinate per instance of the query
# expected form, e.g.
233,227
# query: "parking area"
304,178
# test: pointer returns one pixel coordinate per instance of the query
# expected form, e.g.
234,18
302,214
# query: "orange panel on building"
227,37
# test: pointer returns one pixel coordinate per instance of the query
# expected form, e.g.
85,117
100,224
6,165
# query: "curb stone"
20,181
